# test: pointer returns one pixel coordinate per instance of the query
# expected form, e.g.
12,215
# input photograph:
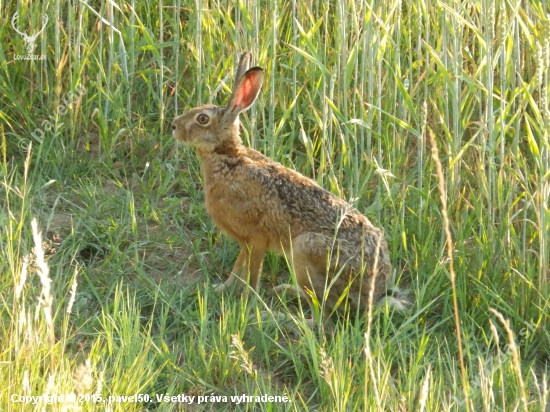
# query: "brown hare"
334,249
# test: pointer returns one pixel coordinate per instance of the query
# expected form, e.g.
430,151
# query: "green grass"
121,303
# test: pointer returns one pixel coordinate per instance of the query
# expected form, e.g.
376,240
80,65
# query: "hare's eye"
203,118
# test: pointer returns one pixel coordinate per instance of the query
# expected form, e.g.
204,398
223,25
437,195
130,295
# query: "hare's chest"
228,202
239,212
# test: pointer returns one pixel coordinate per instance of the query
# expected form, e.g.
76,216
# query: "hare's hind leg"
332,268
310,257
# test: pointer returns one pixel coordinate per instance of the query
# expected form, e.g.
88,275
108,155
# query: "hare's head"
212,128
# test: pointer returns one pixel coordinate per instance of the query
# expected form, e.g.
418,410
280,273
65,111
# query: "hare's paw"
291,290
220,288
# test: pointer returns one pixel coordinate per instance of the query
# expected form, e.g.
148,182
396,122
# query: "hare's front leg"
248,267
241,259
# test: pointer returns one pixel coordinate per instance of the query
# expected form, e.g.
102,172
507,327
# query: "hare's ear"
244,64
244,93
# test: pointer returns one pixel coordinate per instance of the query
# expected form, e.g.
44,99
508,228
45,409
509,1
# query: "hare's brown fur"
266,206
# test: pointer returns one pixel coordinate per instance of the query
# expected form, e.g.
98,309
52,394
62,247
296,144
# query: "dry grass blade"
515,356
443,197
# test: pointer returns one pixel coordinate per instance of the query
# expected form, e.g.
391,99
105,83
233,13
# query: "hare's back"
249,195
305,205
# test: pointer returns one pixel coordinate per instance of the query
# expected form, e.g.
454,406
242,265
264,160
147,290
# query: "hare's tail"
396,298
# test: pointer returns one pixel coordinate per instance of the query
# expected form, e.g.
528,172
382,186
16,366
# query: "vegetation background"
114,298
